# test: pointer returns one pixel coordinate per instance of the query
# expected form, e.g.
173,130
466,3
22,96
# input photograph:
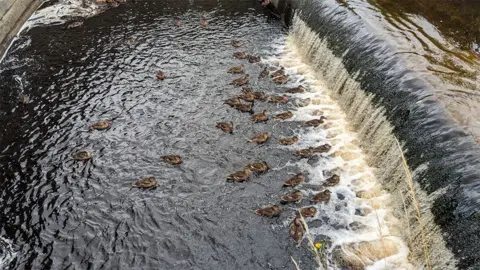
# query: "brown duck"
278,72
236,69
246,108
240,55
261,138
236,43
277,99
232,102
82,155
259,167
146,182
248,96
264,73
227,127
283,116
260,95
305,153
281,79
308,212
295,196
260,117
323,196
294,181
322,148
161,75
240,176
289,141
297,230
100,125
269,211
253,59
332,181
295,90
315,122
172,159
240,81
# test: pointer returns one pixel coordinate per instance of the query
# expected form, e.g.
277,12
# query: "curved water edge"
371,83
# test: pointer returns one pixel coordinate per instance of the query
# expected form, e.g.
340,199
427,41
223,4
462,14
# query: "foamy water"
357,227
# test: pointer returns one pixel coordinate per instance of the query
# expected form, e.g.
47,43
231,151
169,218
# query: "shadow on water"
65,215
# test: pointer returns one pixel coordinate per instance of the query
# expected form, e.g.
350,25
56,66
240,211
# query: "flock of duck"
244,102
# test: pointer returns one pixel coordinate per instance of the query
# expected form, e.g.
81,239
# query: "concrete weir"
13,14
439,192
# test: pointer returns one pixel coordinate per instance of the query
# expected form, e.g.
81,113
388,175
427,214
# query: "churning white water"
357,227
368,227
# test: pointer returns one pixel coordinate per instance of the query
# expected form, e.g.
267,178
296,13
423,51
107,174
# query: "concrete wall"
13,13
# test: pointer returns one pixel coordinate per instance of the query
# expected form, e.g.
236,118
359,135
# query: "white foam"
352,168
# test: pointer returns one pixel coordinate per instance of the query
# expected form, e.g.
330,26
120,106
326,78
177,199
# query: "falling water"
410,205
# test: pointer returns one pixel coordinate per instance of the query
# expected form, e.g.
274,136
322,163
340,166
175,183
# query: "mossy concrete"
13,14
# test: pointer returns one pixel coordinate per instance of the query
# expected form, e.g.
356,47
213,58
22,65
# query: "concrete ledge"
13,14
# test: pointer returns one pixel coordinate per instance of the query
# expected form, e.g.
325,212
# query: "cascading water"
357,222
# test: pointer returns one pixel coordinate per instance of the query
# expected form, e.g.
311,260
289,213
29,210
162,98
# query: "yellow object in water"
318,245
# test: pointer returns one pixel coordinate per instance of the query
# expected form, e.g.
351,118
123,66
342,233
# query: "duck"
305,153
240,55
297,229
23,98
294,181
236,43
292,197
100,125
172,159
332,181
246,108
264,73
247,90
240,81
75,25
283,116
289,141
203,22
161,75
307,212
253,59
227,127
236,69
322,148
259,167
281,79
260,117
145,182
278,72
261,138
82,155
240,176
278,99
295,90
265,3
269,211
323,196
315,122
260,96
247,96
232,102
177,21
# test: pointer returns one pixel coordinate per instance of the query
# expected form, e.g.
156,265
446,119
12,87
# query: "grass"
426,249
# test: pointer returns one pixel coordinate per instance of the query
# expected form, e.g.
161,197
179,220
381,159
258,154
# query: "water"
429,165
60,214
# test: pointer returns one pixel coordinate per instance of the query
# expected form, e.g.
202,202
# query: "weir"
429,165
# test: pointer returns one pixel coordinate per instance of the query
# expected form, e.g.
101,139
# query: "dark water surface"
60,214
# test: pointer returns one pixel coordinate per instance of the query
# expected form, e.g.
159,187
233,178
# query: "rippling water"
440,41
64,215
